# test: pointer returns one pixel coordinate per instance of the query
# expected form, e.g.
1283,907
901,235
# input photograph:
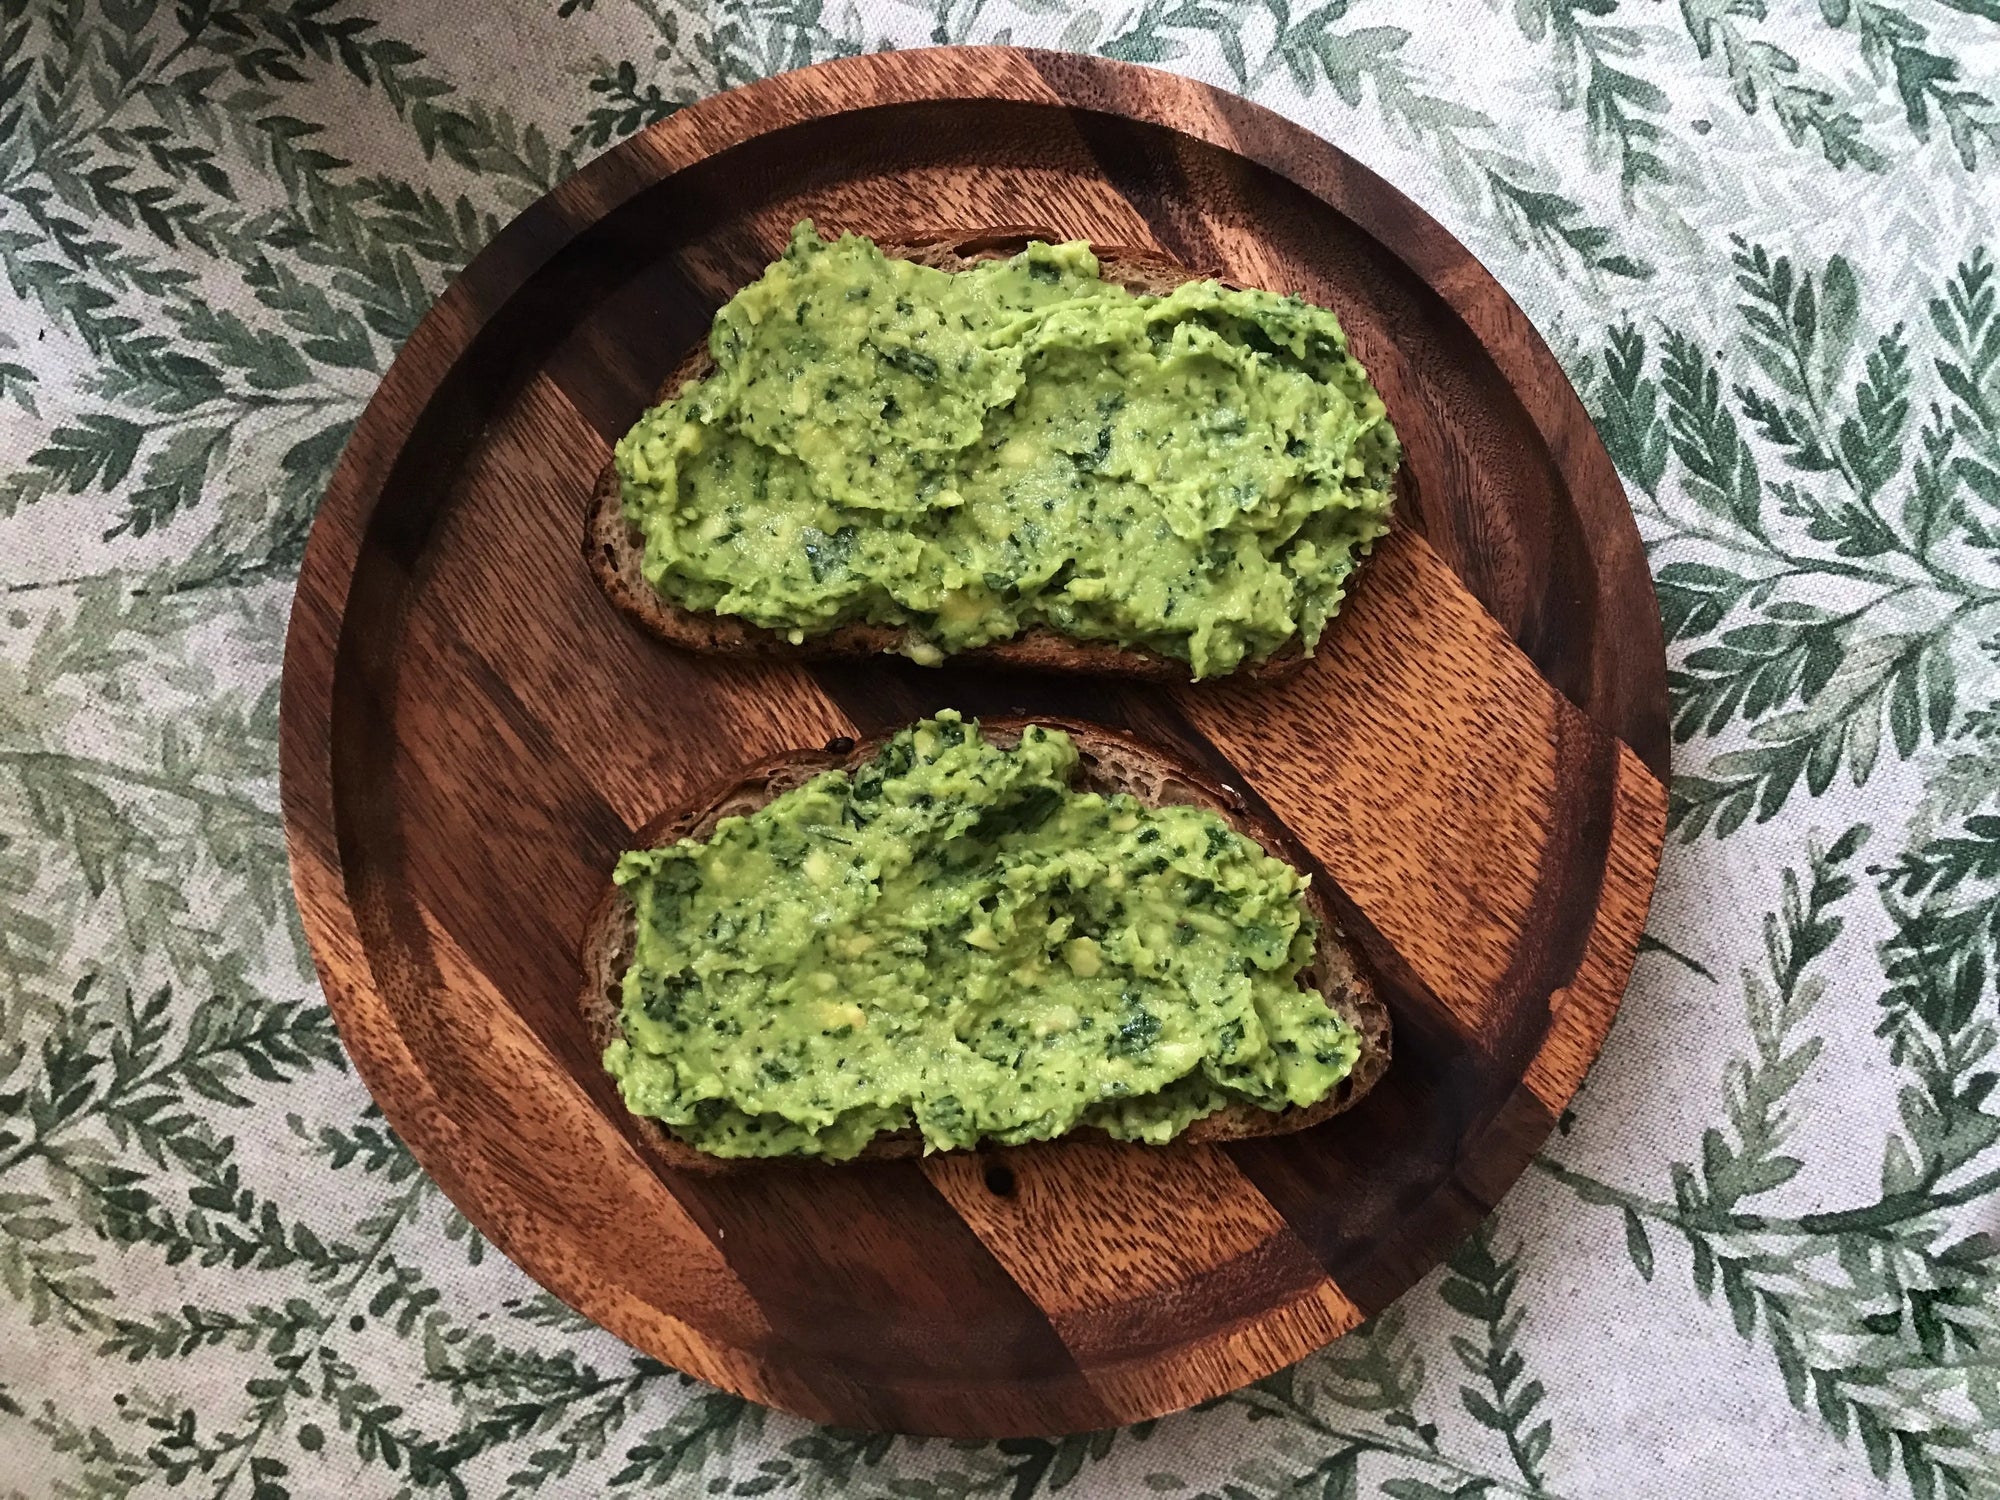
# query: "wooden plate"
470,733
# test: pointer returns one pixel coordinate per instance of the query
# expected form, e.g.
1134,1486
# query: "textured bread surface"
614,548
1110,763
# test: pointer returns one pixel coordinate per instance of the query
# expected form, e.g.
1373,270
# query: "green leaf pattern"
1759,234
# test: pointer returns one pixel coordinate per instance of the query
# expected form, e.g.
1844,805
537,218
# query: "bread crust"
1111,762
614,549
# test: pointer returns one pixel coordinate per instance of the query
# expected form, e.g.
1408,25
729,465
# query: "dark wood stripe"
529,242
1524,558
419,814
1386,1228
612,365
1356,1202
825,1250
1153,181
888,691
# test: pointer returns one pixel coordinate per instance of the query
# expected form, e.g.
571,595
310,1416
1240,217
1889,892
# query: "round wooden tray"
470,733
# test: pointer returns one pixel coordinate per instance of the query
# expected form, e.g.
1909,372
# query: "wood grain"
470,734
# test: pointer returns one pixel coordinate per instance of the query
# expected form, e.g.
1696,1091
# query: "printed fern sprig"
1594,69
1762,74
1373,1373
1895,1277
1822,689
1929,84
1481,1286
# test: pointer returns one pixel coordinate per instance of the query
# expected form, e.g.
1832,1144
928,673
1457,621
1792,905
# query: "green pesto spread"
951,937
968,455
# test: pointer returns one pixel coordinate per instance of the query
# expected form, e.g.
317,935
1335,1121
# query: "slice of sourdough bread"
613,548
1110,763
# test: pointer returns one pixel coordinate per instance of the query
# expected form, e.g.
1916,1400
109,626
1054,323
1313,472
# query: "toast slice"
613,549
1110,763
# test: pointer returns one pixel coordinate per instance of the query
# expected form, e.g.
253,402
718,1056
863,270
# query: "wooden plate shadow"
1475,760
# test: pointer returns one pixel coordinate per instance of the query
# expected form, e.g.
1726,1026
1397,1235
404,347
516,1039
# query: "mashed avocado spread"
951,937
972,454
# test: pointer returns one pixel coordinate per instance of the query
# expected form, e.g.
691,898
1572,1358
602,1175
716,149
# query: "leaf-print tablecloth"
1761,1256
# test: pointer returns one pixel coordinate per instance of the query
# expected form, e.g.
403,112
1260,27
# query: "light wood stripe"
1166,1231
1419,765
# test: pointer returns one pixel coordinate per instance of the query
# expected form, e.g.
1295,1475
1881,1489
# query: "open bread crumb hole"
1000,1179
